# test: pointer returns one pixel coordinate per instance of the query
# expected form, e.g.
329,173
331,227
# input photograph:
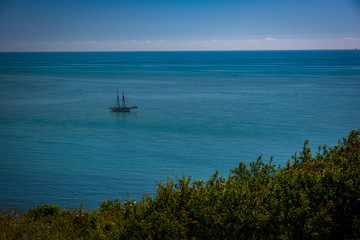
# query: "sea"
198,112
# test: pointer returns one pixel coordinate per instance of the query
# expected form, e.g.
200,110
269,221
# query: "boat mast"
118,100
124,99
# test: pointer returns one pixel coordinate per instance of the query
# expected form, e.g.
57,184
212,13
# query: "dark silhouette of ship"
120,108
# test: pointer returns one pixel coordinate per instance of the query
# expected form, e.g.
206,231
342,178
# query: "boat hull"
121,109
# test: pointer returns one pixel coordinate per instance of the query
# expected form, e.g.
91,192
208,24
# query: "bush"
312,197
44,211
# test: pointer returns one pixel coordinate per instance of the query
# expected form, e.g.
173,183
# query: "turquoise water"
198,112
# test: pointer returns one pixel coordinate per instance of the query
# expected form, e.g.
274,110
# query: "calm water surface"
198,112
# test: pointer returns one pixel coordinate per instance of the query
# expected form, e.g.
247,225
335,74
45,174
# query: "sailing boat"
123,108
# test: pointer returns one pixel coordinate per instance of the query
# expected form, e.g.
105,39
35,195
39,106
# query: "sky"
178,25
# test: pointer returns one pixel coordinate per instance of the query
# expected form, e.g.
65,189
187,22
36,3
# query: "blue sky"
158,25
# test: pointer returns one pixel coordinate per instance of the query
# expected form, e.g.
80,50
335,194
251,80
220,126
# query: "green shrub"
44,211
314,196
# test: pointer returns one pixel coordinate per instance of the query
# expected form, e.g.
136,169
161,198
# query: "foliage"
312,197
43,211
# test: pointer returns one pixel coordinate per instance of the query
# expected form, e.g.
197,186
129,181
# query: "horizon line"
210,50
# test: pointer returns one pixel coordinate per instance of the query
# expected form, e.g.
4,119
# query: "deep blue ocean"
197,112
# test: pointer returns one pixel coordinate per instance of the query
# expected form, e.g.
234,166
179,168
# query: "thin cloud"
270,39
71,42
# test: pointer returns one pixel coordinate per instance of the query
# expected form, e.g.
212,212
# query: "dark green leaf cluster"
312,197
